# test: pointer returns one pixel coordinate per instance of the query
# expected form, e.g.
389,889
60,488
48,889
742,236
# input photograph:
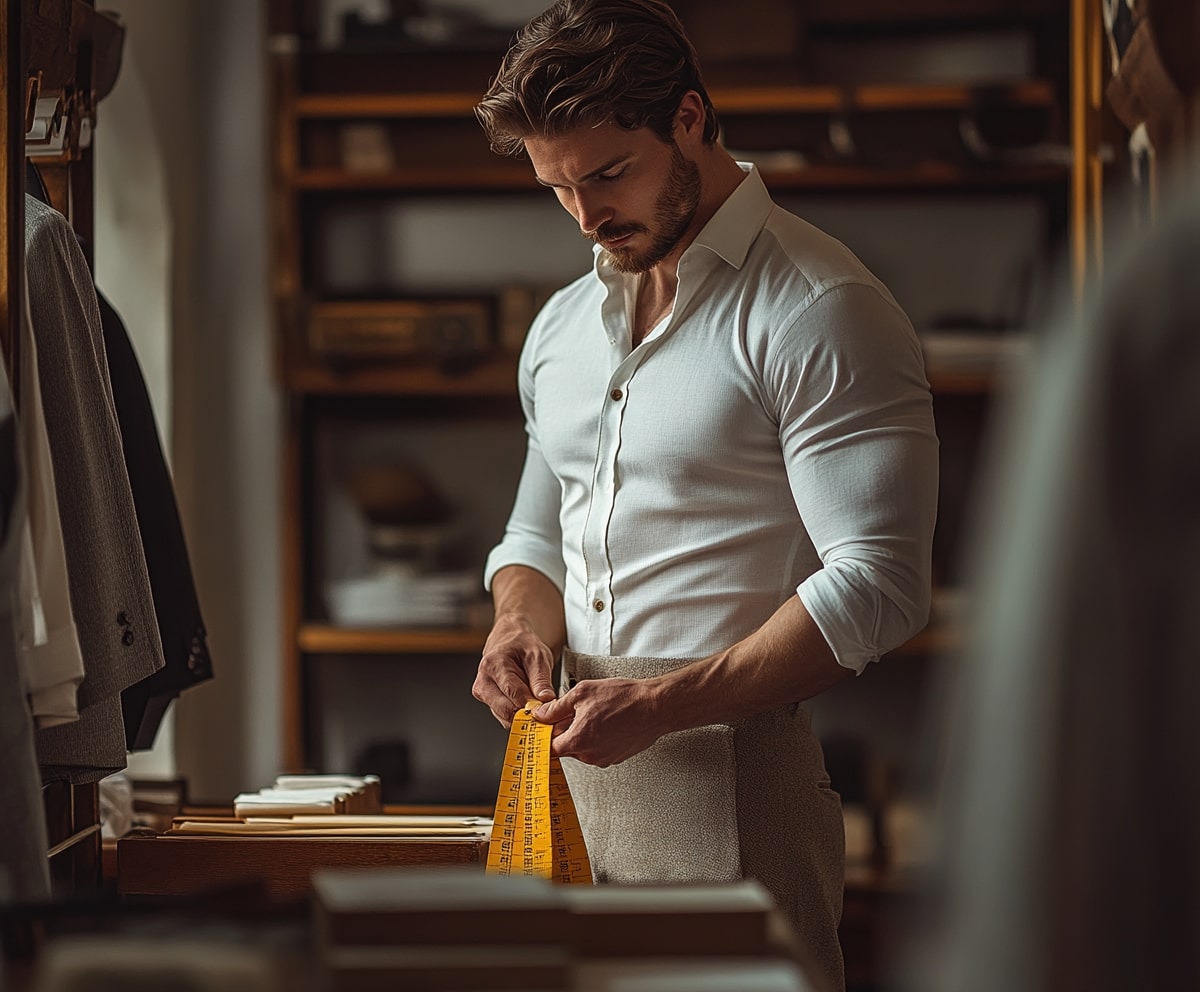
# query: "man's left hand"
602,722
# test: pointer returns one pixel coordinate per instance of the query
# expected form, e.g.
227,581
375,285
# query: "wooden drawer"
283,866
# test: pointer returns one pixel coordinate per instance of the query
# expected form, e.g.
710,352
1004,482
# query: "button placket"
604,481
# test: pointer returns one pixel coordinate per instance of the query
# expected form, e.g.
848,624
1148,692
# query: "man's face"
630,192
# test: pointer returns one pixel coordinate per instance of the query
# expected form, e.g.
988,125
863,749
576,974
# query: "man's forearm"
609,720
786,660
520,591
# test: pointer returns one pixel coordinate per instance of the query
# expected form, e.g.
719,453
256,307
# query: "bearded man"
728,498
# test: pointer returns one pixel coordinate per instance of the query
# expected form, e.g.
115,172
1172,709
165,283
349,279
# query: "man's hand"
515,668
604,721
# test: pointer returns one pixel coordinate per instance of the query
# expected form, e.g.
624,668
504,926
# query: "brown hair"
590,62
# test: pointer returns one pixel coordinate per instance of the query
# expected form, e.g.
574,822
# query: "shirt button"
598,606
616,394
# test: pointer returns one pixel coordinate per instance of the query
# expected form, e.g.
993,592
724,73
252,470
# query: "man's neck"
720,175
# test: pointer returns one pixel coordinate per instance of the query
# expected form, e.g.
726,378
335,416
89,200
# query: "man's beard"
673,213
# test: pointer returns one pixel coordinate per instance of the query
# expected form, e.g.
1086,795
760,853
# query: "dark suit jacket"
176,606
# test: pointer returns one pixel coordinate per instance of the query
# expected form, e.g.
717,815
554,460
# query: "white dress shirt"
773,435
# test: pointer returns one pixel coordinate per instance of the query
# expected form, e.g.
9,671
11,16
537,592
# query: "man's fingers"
563,743
495,699
538,667
514,689
556,710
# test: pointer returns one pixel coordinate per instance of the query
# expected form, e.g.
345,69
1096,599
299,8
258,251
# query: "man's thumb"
541,686
554,711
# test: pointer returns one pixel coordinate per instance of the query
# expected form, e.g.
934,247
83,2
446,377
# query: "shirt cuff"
859,618
541,558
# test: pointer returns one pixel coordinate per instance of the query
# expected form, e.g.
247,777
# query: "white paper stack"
311,794
395,597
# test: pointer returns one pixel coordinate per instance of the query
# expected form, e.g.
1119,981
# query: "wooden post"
12,172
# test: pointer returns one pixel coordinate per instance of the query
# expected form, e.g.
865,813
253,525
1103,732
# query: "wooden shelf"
319,105
498,177
328,639
961,383
733,100
922,176
493,174
493,378
505,178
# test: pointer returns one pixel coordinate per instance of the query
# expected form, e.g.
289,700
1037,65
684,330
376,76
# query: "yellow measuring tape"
536,829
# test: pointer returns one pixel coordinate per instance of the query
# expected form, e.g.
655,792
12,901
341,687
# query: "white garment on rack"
48,645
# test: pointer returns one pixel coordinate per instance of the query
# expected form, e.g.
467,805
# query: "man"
729,491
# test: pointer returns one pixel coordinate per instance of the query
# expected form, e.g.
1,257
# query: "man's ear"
690,118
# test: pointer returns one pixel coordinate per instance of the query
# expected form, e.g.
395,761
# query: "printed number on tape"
536,829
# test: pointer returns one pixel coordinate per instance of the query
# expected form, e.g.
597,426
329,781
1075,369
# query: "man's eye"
610,176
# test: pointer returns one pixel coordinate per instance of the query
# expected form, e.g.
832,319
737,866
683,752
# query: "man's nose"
591,213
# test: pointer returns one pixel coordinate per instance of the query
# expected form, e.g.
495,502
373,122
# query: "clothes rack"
65,51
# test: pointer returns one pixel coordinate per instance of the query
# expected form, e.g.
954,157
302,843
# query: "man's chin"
628,263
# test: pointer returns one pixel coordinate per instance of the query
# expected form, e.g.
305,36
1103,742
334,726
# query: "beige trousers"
749,799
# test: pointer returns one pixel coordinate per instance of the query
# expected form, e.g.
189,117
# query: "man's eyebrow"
591,175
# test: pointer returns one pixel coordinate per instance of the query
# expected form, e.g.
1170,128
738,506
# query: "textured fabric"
24,869
91,748
176,606
744,800
774,435
110,590
50,657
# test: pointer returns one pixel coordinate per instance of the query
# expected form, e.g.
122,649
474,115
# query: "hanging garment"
48,641
24,869
176,606
110,588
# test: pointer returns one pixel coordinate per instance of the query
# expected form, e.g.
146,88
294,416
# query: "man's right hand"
515,667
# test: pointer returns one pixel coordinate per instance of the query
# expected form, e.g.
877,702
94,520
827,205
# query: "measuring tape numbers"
536,828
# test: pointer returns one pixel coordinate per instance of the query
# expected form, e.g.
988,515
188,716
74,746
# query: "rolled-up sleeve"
858,438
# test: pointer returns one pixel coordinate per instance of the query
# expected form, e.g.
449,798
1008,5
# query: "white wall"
227,419
139,164
181,250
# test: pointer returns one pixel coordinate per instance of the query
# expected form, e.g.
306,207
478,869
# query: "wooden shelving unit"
428,106
420,104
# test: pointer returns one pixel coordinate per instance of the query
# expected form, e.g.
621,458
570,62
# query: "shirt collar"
731,231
